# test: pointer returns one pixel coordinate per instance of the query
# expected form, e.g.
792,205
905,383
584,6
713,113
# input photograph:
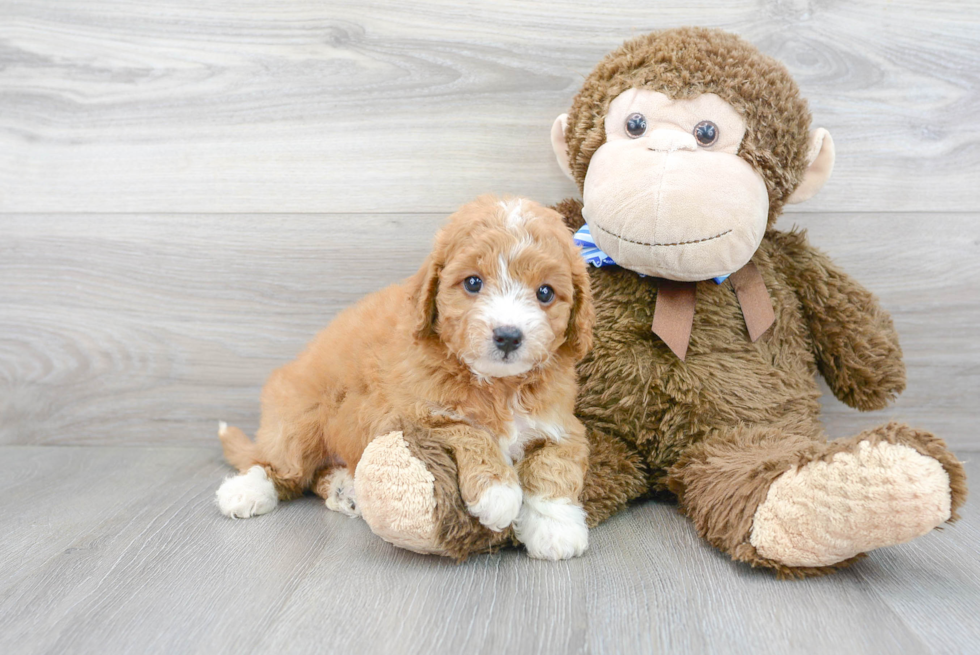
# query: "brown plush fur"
718,428
398,361
617,475
721,481
751,410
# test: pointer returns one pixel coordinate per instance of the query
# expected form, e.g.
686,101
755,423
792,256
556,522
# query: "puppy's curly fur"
427,354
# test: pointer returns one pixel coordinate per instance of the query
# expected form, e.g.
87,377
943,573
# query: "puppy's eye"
545,294
636,125
706,133
473,284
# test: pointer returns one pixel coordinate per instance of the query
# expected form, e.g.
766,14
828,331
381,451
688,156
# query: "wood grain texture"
121,550
190,190
136,330
353,106
162,325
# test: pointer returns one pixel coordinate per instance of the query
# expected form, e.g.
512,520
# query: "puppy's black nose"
507,338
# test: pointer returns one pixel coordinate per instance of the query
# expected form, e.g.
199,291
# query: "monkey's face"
667,194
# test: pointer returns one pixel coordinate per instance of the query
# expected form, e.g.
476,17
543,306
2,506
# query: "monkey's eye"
545,294
473,284
706,133
636,125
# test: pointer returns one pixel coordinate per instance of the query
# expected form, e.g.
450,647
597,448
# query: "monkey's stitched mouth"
678,243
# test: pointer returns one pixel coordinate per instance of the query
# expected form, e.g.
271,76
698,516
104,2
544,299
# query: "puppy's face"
506,288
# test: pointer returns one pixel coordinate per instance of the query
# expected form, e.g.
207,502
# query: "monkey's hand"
854,340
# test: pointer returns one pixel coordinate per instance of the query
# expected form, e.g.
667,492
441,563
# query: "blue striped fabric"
593,255
591,252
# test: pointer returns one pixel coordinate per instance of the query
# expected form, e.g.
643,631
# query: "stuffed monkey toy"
711,326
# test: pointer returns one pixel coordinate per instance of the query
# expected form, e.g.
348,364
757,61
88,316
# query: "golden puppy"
479,347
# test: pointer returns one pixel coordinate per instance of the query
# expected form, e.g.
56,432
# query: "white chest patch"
525,429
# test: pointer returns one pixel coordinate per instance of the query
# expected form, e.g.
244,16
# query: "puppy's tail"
239,449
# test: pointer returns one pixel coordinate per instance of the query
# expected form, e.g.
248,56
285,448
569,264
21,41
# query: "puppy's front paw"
249,494
552,528
498,506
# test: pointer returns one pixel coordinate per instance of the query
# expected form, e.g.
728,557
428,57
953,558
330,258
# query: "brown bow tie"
673,315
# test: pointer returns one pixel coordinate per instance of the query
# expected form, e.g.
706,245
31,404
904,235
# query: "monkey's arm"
854,340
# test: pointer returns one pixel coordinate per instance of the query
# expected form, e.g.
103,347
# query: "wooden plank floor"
121,550
190,190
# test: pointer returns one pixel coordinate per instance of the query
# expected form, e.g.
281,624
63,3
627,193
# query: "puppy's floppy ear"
578,334
425,288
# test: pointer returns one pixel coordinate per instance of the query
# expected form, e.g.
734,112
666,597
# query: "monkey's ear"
820,164
559,145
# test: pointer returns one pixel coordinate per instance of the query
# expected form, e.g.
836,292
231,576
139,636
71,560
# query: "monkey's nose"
668,140
507,338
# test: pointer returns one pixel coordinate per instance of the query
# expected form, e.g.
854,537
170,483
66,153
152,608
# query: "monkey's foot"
408,494
867,497
396,495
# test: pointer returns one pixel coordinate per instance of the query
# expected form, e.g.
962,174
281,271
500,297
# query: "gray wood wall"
189,190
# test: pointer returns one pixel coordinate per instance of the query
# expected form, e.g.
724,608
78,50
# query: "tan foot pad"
395,494
829,511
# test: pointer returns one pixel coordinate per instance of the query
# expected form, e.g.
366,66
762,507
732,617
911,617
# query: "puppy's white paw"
249,494
552,528
498,506
339,493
